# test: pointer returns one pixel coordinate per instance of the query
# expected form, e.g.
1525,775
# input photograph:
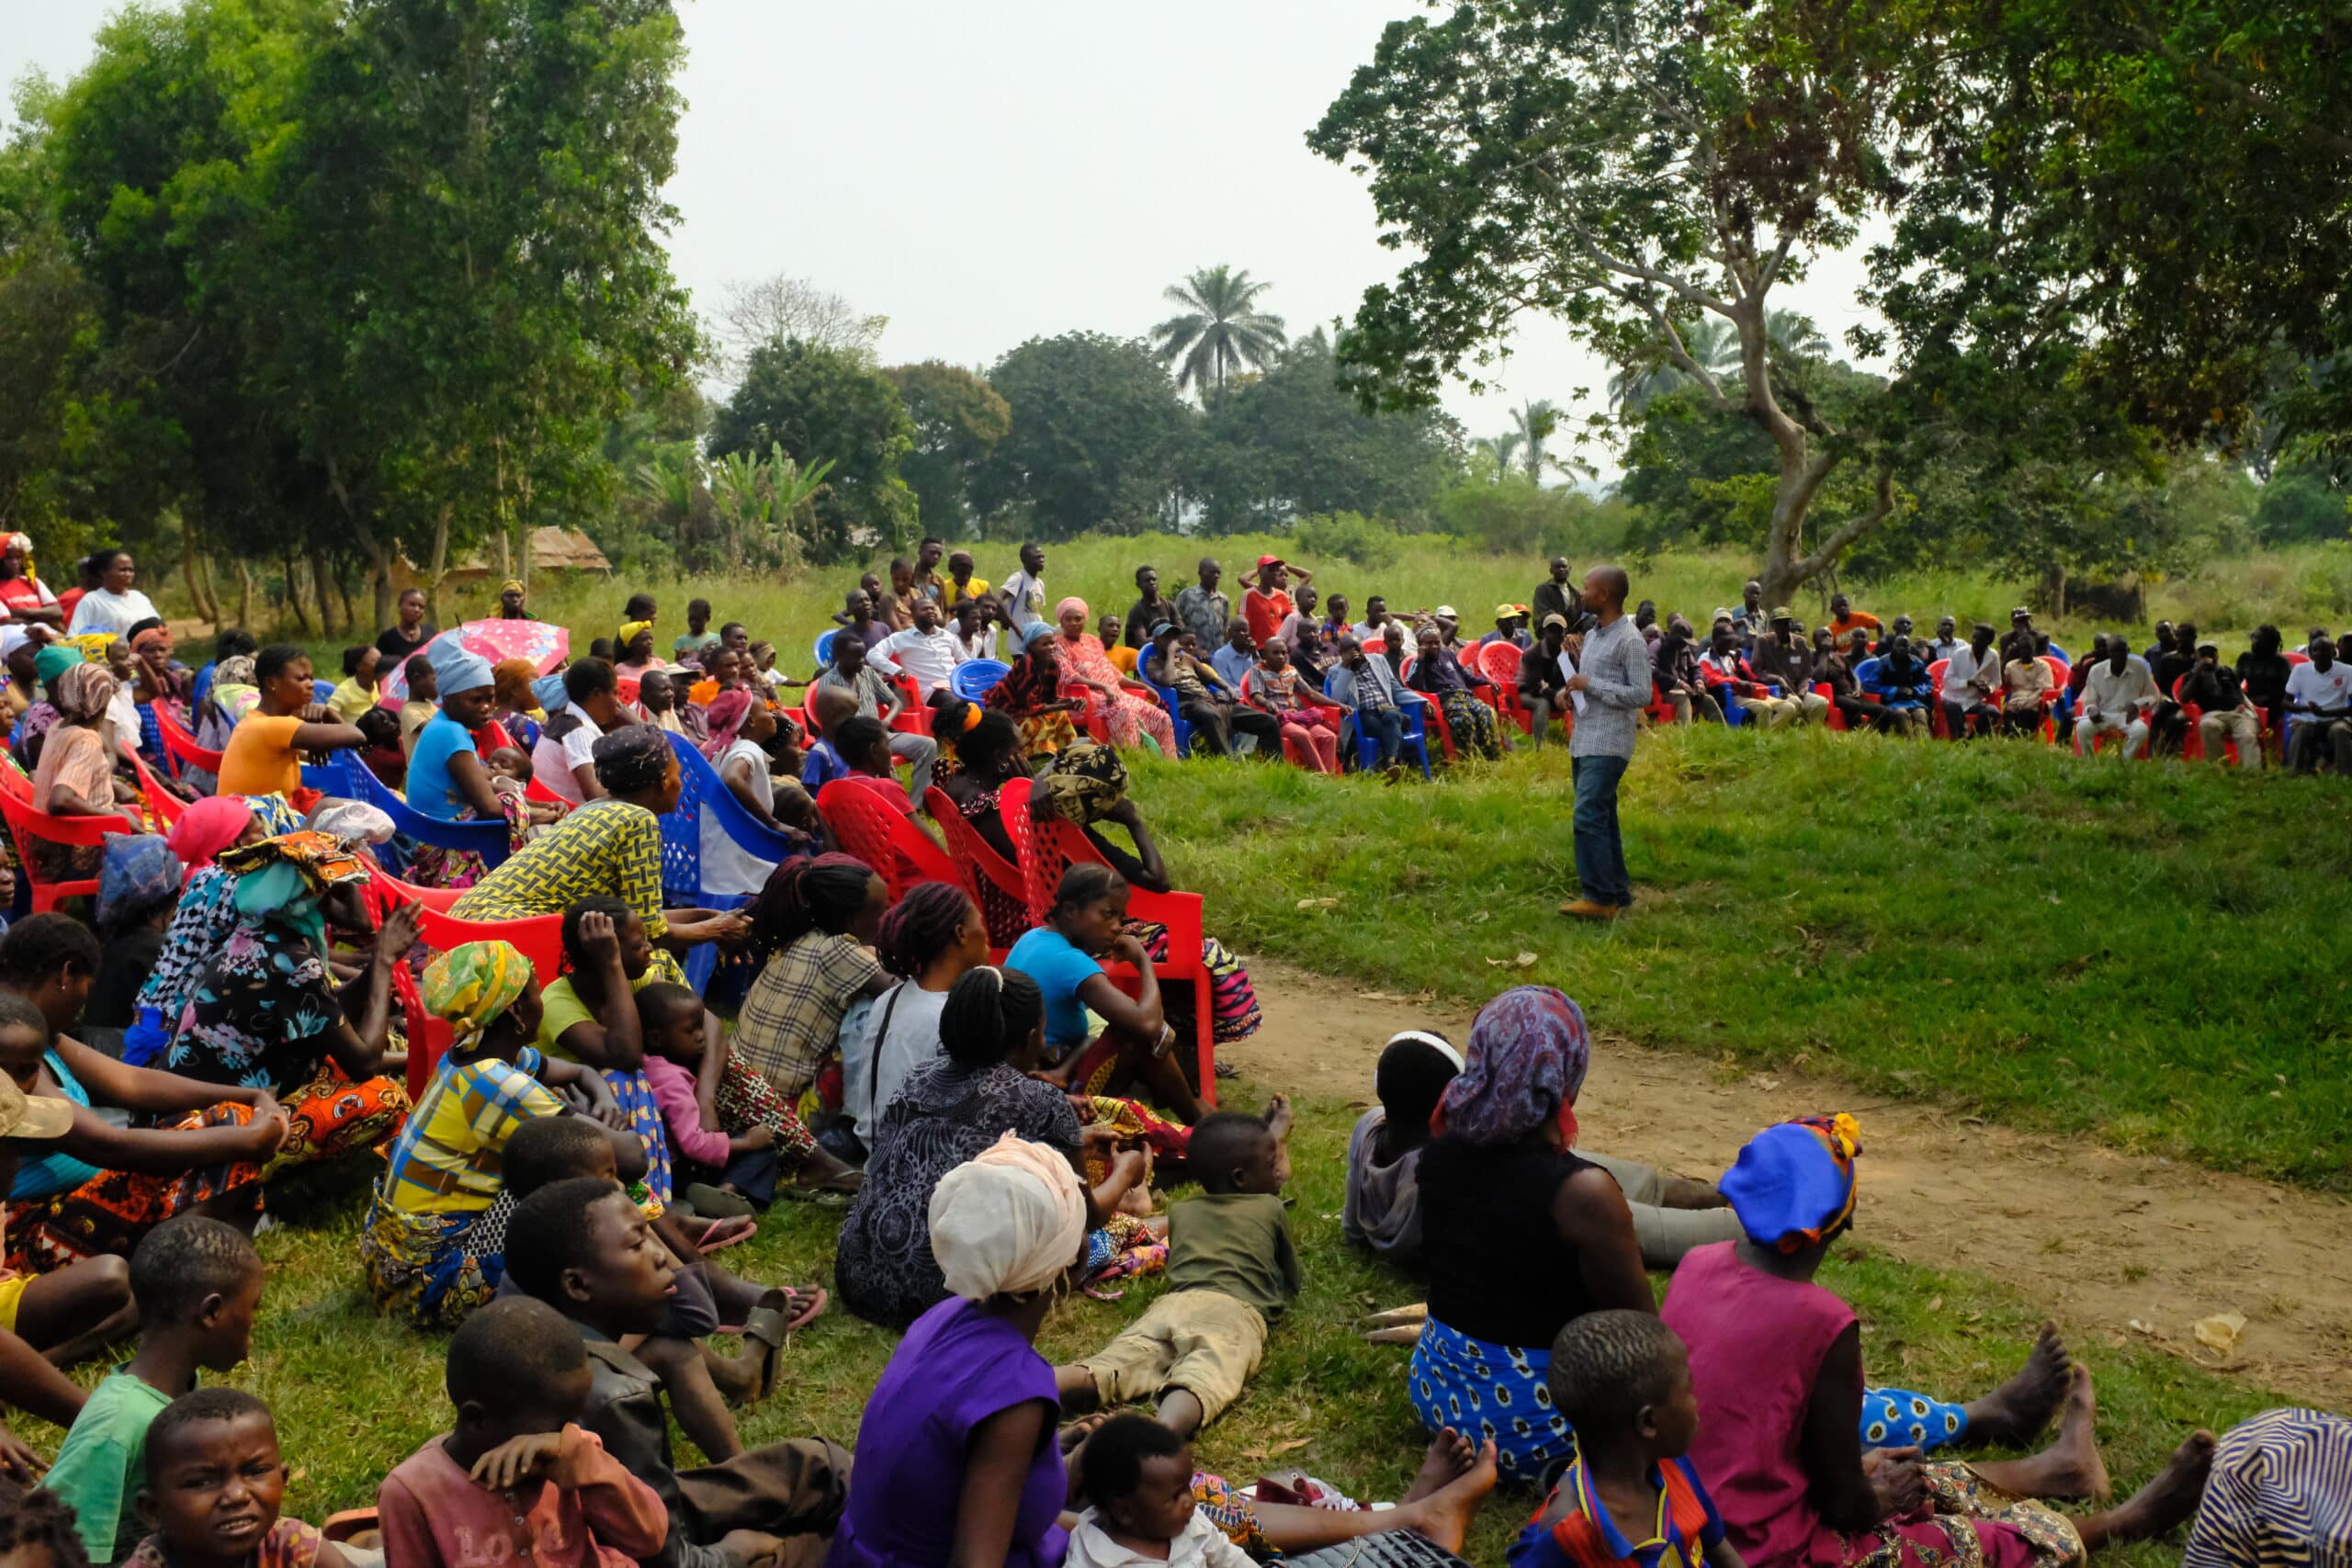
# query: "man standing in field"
1614,679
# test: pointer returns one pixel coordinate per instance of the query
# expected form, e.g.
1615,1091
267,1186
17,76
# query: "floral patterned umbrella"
544,644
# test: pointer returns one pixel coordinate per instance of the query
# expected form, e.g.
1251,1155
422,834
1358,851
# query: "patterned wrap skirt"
434,1269
1967,1522
110,1212
1485,1390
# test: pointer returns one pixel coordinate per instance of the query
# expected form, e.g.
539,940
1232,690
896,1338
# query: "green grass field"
355,1394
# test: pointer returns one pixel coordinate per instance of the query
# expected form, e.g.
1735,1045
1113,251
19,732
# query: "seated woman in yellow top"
265,751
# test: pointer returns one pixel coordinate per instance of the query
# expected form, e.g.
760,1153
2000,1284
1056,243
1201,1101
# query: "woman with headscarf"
1781,1437
633,650
1130,709
139,892
435,1244
157,681
41,715
1519,1233
741,728
76,774
25,598
610,848
1087,785
1031,694
265,1012
446,780
104,1185
978,1089
514,705
202,923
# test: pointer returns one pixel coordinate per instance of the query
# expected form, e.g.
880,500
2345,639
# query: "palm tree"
1492,458
1715,344
1218,330
1532,424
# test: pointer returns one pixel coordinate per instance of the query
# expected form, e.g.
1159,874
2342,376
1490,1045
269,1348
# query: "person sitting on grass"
725,1174
214,1479
1231,1268
1783,1438
37,1529
198,1283
29,1381
812,937
584,1248
589,1016
518,1470
435,1239
1623,1381
930,939
1085,924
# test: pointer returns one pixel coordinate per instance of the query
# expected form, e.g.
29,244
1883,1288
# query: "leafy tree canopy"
824,404
1098,438
958,417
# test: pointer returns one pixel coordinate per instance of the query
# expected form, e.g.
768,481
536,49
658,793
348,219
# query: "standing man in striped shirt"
1614,681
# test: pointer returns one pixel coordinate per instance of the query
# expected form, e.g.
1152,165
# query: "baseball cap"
26,1116
1559,621
1446,611
2020,614
1503,610
1265,561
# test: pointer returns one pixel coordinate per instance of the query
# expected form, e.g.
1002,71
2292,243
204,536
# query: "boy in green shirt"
198,1282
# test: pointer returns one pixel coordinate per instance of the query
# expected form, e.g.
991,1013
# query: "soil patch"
2110,1245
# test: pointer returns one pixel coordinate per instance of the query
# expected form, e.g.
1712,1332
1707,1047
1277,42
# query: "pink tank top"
1757,1344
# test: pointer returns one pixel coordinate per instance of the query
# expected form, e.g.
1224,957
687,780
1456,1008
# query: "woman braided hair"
922,926
991,1014
810,893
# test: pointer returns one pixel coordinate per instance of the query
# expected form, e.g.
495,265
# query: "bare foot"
2163,1503
2017,1410
1279,1116
1445,1514
1449,1457
2078,1468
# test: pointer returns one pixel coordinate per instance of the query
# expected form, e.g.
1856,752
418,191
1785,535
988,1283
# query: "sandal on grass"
834,1191
715,1203
770,1327
804,1305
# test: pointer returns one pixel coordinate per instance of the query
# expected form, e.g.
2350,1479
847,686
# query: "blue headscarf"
456,668
139,875
1793,1183
550,690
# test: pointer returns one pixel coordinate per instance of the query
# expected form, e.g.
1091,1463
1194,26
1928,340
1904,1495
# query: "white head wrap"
1009,1221
1436,1042
353,819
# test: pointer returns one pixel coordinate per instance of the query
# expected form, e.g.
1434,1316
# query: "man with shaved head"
1613,678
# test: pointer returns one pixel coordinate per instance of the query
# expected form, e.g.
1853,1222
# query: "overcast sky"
982,175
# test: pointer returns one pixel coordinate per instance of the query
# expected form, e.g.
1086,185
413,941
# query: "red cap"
1265,561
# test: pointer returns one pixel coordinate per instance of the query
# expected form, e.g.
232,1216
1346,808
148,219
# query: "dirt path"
2109,1244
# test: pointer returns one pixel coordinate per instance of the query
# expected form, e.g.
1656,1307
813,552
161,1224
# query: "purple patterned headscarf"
1527,1058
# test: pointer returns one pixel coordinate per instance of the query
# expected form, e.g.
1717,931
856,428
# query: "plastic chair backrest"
824,648
2299,657
28,826
1499,661
681,842
974,852
165,806
538,937
182,745
750,835
975,678
868,827
487,839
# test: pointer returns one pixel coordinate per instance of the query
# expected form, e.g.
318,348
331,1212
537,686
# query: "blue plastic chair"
751,836
333,777
321,691
2062,655
487,839
1416,735
825,648
976,678
1175,713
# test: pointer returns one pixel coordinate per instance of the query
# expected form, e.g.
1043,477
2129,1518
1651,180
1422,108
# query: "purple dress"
956,1367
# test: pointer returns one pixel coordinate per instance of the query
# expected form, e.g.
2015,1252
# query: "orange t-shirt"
260,757
1844,625
1266,613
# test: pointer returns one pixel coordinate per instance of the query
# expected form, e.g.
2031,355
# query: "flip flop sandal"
834,1192
771,1328
1226,1069
712,1204
811,1302
734,1238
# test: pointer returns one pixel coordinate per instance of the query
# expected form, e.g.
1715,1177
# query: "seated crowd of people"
575,1088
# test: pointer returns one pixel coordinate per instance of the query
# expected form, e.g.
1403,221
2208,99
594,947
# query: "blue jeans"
1387,728
1600,854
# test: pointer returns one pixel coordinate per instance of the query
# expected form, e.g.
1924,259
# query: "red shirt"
1266,613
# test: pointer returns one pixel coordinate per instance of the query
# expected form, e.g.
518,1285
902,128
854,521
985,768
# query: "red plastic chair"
31,827
977,861
181,746
868,827
1049,847
1090,718
165,807
1937,725
1498,661
916,717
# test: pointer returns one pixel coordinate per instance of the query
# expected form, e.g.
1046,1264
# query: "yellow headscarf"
471,986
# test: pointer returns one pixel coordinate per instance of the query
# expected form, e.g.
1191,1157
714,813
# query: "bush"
1347,536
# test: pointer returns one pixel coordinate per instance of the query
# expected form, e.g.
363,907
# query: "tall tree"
1618,168
958,417
1098,440
827,405
1533,426
1220,330
780,308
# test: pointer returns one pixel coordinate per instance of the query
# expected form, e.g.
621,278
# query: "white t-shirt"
929,658
100,611
1026,597
2308,685
727,866
982,646
552,760
872,1074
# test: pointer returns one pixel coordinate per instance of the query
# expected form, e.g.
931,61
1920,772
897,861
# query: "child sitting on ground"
197,1282
739,1164
214,1481
701,1383
1623,1379
1230,1268
584,1248
517,1480
36,1529
1137,1477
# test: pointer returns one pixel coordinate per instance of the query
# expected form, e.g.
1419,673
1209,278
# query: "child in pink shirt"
744,1164
518,1480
